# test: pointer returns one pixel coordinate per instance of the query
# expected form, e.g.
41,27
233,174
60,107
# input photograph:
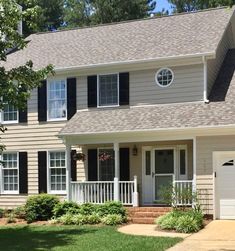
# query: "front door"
158,171
163,171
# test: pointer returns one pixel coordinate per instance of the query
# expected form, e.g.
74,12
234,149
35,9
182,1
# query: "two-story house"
142,104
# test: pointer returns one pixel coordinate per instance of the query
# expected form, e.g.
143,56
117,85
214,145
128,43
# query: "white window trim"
1,176
98,161
56,192
98,90
183,147
66,103
156,79
7,122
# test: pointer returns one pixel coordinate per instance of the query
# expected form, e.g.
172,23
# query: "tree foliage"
47,15
15,83
193,5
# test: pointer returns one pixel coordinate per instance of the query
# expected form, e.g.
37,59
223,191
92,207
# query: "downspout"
205,99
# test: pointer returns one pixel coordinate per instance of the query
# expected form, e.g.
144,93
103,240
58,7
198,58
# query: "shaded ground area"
71,238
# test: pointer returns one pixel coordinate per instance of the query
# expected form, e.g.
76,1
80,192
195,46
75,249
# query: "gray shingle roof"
220,111
155,38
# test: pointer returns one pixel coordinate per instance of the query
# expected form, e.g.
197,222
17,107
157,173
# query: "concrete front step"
149,209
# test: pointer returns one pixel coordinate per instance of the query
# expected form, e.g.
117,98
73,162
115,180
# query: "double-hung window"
106,167
10,173
56,99
108,90
9,114
57,172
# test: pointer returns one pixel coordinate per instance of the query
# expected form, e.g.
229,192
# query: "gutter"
205,85
118,63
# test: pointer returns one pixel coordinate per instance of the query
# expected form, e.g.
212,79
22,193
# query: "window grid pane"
10,172
108,90
10,113
57,171
57,99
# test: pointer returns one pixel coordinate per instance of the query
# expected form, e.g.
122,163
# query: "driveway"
219,235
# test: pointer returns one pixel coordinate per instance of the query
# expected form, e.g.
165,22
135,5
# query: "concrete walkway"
148,230
219,235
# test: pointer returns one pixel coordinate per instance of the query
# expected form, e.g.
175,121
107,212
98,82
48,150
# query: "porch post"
116,159
135,193
68,172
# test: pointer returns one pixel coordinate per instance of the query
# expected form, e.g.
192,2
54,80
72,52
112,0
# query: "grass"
79,238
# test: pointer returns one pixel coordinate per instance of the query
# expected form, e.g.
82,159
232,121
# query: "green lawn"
71,238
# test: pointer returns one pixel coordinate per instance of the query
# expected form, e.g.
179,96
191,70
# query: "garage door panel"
225,186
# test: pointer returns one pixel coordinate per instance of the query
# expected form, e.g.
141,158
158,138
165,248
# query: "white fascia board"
160,60
148,135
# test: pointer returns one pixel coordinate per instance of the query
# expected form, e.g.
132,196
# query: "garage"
224,170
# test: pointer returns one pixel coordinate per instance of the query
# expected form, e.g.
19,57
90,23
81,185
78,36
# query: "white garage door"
225,186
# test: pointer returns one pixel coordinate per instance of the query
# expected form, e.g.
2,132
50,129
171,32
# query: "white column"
135,194
116,159
68,172
116,189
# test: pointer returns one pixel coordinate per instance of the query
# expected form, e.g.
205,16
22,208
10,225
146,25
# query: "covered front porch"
133,173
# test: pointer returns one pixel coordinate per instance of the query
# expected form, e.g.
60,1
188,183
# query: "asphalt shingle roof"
220,111
155,38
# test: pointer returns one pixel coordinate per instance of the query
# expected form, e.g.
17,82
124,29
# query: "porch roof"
219,112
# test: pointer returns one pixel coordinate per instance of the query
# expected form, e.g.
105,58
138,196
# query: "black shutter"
124,155
71,97
42,102
23,114
73,166
92,91
23,173
42,171
124,88
92,165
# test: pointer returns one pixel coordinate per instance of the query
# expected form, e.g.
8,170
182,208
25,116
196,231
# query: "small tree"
15,83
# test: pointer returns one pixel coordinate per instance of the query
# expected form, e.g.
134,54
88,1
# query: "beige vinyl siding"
213,65
33,137
204,169
187,86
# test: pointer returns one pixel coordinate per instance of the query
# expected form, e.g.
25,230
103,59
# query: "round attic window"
164,77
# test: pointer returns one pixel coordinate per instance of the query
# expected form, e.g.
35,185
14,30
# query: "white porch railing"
183,190
99,192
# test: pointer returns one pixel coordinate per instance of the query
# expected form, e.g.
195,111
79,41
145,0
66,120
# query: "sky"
162,4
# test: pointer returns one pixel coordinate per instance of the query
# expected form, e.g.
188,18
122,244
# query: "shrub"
112,219
19,212
79,219
40,207
187,224
167,221
11,218
111,207
66,219
87,209
182,221
64,208
1,212
93,219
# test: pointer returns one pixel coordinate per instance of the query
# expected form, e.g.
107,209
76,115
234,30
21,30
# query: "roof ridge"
134,20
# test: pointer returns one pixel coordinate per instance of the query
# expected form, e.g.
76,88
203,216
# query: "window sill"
10,122
56,120
107,106
10,193
58,192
